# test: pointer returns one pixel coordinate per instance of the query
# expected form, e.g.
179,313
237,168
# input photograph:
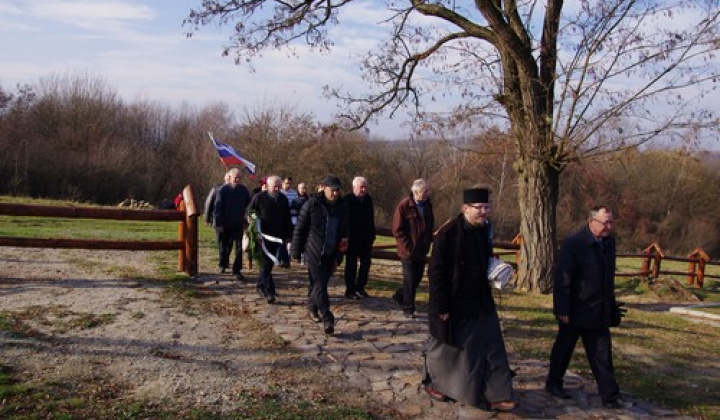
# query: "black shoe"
314,315
363,293
398,297
615,404
271,299
351,296
221,270
329,327
557,391
409,314
239,276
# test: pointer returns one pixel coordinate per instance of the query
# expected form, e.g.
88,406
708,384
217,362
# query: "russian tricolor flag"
229,156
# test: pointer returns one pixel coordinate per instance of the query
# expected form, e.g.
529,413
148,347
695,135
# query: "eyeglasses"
607,223
480,206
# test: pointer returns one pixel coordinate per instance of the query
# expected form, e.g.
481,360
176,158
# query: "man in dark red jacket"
584,305
412,228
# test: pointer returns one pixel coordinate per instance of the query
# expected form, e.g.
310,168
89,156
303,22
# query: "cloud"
97,15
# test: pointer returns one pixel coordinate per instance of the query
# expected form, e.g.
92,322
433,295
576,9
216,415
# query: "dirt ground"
88,320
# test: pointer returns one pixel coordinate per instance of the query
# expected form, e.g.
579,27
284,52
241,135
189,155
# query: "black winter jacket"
309,235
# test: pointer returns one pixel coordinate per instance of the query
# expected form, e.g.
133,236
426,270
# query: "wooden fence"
187,215
650,263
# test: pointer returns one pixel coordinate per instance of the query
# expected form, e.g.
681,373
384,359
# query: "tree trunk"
538,185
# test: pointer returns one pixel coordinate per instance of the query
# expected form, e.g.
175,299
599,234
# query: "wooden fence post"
191,231
182,237
696,269
656,254
517,240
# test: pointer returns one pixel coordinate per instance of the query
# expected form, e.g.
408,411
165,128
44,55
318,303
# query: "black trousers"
412,275
319,276
226,240
266,283
356,280
598,348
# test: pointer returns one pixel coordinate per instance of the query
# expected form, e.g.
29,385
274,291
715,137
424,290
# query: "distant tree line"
73,137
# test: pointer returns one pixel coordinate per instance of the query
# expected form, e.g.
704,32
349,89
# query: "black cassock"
473,367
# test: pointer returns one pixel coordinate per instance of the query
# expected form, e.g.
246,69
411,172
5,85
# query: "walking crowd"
465,359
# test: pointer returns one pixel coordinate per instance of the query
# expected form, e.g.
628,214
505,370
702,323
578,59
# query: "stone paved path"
380,350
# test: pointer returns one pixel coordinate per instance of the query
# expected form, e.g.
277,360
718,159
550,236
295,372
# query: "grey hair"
419,185
272,179
358,180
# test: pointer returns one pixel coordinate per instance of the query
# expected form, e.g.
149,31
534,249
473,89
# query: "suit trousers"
226,240
598,348
266,283
356,280
412,275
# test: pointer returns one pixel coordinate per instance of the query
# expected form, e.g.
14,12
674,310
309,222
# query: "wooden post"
517,240
191,231
658,263
656,254
182,237
697,269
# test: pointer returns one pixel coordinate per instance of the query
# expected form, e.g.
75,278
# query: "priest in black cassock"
466,359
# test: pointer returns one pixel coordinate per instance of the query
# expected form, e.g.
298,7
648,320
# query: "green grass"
48,227
658,356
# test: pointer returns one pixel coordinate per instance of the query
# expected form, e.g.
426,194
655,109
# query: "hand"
444,317
565,319
342,246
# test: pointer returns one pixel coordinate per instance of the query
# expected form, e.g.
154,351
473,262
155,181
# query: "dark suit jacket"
360,222
584,286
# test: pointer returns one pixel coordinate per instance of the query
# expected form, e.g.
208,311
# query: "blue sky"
139,49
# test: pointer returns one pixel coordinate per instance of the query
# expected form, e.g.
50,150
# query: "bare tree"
558,72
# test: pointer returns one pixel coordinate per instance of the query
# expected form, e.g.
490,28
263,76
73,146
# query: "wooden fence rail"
651,259
187,215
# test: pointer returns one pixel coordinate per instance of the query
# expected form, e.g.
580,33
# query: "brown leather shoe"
502,405
435,394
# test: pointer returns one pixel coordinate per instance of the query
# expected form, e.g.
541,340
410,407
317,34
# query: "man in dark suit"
361,235
584,305
231,201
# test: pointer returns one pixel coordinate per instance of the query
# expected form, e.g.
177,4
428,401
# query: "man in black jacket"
584,305
231,201
272,211
361,235
321,234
